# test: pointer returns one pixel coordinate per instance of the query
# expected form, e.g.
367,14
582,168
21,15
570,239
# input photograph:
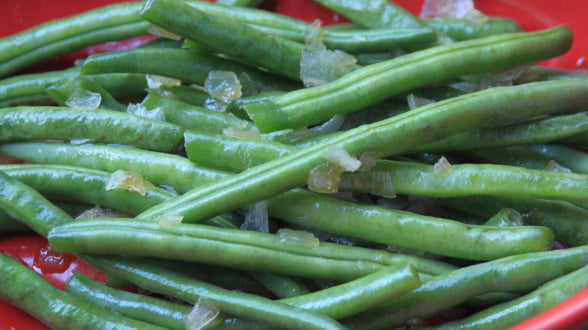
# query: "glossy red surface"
56,267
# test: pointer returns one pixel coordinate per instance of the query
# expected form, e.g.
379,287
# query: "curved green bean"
161,280
57,309
139,307
416,127
516,311
376,82
100,126
460,29
510,274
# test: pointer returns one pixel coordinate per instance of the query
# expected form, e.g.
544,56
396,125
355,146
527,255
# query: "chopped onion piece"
318,67
377,183
223,86
368,160
442,168
505,217
83,99
155,81
241,134
313,35
256,218
201,314
324,178
169,219
554,166
79,61
129,181
297,237
417,102
159,31
99,212
141,111
339,156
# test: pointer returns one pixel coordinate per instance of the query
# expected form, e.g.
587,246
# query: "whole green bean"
416,127
100,126
188,66
376,82
28,206
161,280
58,309
460,29
139,307
510,274
516,311
516,156
230,37
311,210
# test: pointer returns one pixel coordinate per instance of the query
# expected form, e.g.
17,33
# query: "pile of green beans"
402,236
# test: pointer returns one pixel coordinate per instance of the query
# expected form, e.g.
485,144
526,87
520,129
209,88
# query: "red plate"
531,14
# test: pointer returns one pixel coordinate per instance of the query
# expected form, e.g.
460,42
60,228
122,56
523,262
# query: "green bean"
567,221
311,210
189,94
9,224
188,66
31,123
159,168
240,3
516,311
376,82
123,86
365,14
510,274
28,206
539,73
516,156
143,308
194,117
416,127
361,41
230,37
62,90
460,29
573,159
535,131
360,295
252,307
19,90
281,286
67,44
83,185
579,140
150,239
58,309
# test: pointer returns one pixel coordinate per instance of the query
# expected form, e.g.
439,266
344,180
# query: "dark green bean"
376,82
100,126
509,274
58,309
516,311
416,127
9,224
188,66
28,206
516,156
230,37
160,280
143,308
